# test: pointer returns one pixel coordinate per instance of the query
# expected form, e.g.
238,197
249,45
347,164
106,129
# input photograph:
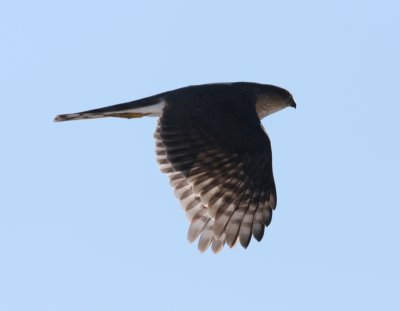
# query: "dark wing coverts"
218,158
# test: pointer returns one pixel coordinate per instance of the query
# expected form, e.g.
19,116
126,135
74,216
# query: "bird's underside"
216,154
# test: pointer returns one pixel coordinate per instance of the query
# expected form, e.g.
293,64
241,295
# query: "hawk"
211,144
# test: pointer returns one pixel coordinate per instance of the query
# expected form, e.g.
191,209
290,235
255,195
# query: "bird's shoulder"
214,95
222,112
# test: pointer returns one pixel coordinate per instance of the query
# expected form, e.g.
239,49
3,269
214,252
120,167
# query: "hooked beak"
293,103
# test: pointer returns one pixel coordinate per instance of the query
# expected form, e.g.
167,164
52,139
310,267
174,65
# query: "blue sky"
87,221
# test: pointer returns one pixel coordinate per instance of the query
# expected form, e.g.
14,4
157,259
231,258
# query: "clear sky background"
87,221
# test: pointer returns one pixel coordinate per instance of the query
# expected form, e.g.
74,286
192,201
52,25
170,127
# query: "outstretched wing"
218,159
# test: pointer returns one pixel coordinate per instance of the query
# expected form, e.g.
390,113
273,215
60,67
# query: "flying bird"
211,144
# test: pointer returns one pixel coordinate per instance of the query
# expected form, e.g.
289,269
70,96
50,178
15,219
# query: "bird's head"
272,99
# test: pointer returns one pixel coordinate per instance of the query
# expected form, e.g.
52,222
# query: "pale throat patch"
266,106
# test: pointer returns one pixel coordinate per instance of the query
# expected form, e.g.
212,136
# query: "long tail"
149,106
